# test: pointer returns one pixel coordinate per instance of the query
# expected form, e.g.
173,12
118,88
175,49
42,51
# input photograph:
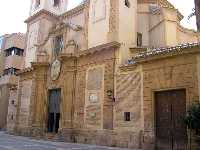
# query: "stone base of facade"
123,139
112,138
22,132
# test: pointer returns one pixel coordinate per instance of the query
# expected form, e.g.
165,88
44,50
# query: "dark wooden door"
54,110
171,133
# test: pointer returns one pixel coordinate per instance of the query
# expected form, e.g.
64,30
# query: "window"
14,51
37,3
56,3
139,39
12,117
58,44
127,3
10,71
12,102
127,116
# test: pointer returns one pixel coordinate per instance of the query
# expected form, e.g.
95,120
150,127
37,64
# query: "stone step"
52,137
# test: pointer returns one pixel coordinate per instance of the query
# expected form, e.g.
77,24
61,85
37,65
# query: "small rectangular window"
127,116
12,117
12,102
139,39
56,3
37,3
127,3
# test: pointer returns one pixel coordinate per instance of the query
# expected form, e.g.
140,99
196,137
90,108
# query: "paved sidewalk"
10,142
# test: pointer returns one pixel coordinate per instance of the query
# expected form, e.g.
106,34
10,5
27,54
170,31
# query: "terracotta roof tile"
179,49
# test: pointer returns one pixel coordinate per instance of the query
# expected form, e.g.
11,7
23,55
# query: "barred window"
127,116
10,71
14,51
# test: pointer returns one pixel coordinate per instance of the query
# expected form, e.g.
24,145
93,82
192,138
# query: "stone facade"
106,97
166,69
170,73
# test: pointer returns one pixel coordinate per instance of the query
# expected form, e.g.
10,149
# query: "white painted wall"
98,22
127,28
48,5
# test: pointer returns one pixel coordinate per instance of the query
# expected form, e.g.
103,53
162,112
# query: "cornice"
41,12
24,71
75,10
98,48
39,64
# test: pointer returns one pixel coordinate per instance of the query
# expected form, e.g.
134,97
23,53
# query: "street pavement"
10,142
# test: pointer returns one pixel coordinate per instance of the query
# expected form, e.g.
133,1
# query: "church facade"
108,72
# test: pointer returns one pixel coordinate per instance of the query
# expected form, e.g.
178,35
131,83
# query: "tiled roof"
179,49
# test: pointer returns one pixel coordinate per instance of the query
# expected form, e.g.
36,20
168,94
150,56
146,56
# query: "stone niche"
94,95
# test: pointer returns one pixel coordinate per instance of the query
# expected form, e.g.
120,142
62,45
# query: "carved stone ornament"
55,69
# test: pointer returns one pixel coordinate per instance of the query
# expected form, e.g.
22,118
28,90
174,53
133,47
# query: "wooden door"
170,107
54,110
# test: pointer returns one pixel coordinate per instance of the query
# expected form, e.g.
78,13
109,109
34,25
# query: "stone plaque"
95,78
93,97
55,69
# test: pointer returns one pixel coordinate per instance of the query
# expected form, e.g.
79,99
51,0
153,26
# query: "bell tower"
43,15
56,7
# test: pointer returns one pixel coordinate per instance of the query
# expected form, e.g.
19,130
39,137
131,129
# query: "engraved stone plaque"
93,97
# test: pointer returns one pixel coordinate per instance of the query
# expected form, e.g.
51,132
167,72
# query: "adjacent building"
12,58
108,72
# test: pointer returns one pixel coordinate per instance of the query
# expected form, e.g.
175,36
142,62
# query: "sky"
14,12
